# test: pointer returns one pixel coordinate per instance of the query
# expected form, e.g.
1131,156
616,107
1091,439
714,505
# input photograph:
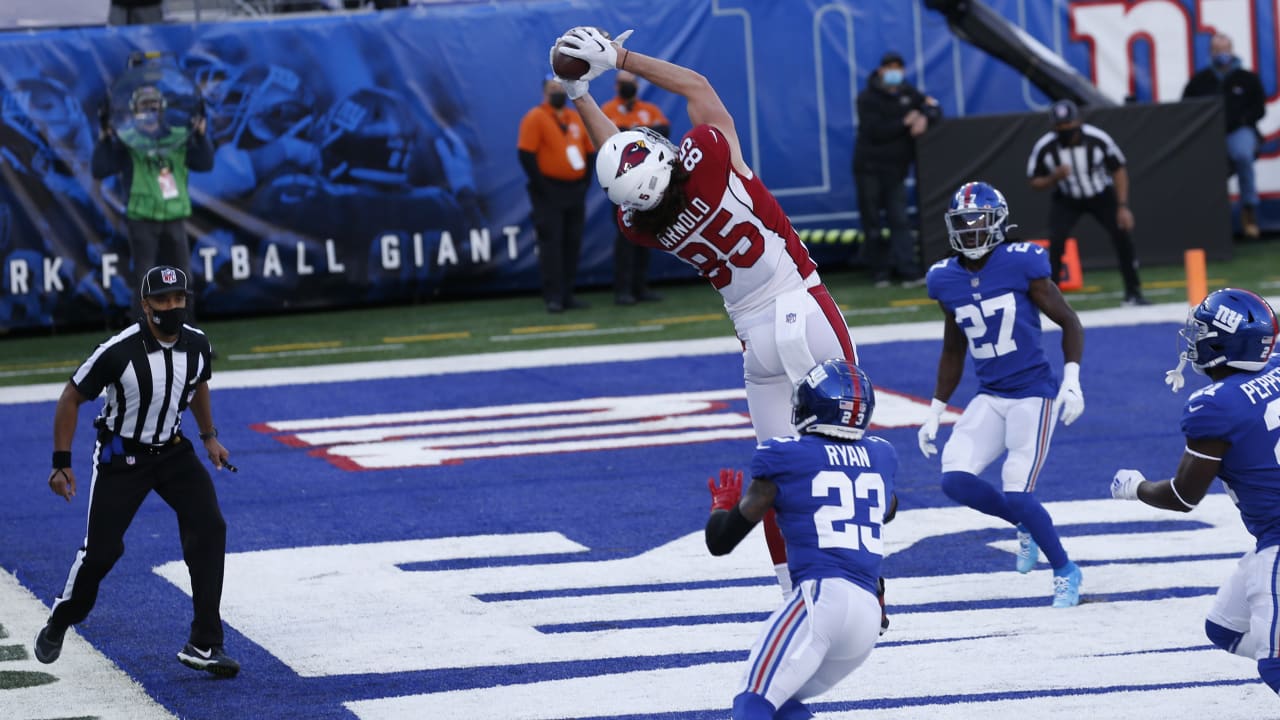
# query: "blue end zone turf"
616,503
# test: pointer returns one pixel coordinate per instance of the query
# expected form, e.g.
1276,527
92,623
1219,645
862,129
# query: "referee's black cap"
163,279
1064,111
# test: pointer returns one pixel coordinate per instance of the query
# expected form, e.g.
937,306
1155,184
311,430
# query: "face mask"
1223,59
891,78
626,91
169,322
1068,137
557,100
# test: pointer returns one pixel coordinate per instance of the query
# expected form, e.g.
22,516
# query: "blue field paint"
616,504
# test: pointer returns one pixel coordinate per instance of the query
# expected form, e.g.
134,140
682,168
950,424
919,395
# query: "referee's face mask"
167,311
1069,134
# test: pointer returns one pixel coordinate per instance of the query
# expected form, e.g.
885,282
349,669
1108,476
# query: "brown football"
567,66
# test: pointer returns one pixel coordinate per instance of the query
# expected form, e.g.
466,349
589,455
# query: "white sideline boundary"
863,335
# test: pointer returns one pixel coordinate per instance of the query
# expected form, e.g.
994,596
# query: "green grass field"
691,309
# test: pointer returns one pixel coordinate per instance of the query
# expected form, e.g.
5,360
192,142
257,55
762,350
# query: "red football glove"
727,494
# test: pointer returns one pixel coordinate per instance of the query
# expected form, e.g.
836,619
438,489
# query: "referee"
1086,170
151,372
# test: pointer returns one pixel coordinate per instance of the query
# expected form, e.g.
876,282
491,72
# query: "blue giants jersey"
832,496
993,308
1244,410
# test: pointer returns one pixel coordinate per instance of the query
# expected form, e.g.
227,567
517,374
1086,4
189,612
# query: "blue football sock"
750,706
968,489
793,710
1225,638
1269,669
1035,518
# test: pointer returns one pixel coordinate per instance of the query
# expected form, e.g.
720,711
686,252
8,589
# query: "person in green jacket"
153,159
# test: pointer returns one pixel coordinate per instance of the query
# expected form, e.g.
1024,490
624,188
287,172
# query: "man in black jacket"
891,115
1244,104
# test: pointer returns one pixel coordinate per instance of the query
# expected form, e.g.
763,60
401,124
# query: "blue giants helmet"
1231,327
835,399
975,219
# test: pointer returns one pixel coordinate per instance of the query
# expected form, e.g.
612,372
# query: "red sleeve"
712,147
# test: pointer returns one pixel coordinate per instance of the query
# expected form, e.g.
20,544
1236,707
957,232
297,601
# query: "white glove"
573,88
1070,396
1174,378
929,430
588,43
1124,486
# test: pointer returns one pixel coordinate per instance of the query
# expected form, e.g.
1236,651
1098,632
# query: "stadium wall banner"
370,158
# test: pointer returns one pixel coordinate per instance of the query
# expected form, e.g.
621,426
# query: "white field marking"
1110,650
315,351
444,623
578,333
88,683
434,437
727,345
901,411
39,371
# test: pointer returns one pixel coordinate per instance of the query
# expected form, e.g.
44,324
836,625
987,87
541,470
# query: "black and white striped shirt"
147,385
1092,161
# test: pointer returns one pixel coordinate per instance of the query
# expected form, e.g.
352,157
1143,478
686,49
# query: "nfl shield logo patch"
130,460
791,318
168,276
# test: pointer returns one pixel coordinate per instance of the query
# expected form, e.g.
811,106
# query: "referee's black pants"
117,491
1065,212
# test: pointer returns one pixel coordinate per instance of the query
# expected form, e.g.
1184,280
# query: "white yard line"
724,345
88,684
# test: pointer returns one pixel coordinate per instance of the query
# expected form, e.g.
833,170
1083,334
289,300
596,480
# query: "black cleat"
49,643
212,660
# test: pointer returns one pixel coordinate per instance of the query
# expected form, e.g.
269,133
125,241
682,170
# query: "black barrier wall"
1172,149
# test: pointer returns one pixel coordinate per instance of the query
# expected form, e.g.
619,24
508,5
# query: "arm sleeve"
528,139
766,461
106,158
94,374
206,364
1193,87
725,529
1036,165
529,162
713,145
1204,417
1036,262
878,127
932,111
1257,105
199,152
1114,155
